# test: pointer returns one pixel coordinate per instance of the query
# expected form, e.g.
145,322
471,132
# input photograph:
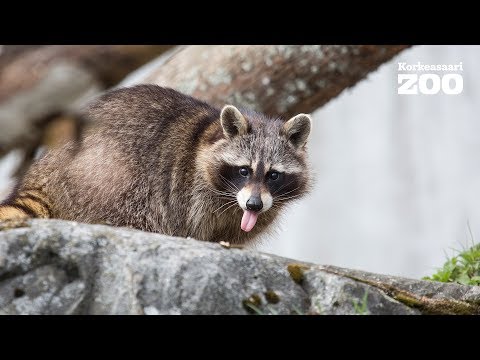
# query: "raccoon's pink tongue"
249,220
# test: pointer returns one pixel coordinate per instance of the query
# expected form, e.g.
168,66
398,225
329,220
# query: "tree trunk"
8,52
44,83
280,80
38,84
108,64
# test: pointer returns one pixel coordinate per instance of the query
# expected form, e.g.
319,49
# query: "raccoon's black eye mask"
272,175
230,177
233,177
287,185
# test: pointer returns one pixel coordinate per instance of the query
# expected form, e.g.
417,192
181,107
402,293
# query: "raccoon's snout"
253,200
254,203
253,206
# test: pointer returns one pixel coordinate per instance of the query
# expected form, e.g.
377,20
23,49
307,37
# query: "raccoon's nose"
254,203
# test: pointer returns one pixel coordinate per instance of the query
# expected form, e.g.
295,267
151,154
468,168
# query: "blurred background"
397,177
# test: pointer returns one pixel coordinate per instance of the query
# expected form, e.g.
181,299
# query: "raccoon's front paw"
13,224
11,217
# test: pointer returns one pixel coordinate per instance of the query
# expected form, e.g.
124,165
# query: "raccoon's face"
260,163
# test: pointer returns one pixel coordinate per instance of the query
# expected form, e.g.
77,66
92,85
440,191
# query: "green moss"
408,299
297,272
437,306
272,297
463,268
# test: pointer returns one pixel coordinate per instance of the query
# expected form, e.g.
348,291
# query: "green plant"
255,309
361,309
463,268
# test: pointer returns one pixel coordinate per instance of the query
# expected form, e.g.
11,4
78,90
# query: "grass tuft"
362,307
463,268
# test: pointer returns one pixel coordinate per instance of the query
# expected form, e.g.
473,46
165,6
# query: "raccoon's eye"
274,175
243,171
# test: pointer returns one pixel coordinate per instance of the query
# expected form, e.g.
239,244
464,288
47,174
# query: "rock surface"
59,267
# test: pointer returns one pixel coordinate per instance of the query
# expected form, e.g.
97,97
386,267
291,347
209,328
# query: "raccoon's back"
147,120
139,150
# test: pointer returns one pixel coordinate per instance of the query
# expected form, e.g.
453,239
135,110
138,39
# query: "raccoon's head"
259,162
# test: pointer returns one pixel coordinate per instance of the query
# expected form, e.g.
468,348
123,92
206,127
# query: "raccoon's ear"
297,129
233,122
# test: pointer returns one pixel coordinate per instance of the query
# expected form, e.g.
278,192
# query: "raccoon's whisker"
288,192
228,182
223,178
277,204
232,190
281,199
227,195
227,208
227,203
224,194
233,185
228,198
219,191
281,187
228,186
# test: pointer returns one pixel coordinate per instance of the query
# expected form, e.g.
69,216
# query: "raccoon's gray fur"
162,161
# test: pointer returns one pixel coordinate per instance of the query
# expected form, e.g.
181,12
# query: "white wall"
397,176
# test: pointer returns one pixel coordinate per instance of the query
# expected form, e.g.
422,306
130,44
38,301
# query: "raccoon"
161,161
